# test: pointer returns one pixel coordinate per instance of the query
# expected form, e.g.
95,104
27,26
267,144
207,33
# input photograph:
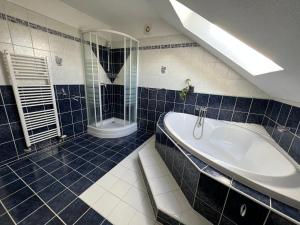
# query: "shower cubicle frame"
108,134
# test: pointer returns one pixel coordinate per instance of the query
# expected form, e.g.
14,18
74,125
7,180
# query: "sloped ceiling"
128,16
270,26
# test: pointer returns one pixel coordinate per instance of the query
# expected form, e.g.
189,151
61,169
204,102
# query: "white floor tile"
92,194
106,204
120,188
121,214
134,197
107,181
131,176
140,219
118,171
162,185
156,171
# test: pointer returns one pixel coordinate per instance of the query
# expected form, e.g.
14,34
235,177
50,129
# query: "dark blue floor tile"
80,186
68,158
96,174
70,178
34,176
77,163
74,211
23,210
38,156
100,150
81,151
53,166
46,161
6,220
91,217
61,200
84,143
2,210
40,216
106,222
42,183
4,171
86,168
51,191
92,146
90,155
117,157
27,170
11,188
55,221
6,179
107,165
62,155
126,151
109,144
62,171
16,198
20,164
98,160
108,153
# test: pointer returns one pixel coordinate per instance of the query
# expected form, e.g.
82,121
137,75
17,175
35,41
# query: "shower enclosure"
111,76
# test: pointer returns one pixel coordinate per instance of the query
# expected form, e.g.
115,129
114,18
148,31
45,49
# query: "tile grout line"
39,197
7,212
47,173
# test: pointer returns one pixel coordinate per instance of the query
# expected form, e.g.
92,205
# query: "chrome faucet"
200,120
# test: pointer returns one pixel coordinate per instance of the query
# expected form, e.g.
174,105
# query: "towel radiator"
35,98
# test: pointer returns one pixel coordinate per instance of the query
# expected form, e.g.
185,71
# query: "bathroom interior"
149,112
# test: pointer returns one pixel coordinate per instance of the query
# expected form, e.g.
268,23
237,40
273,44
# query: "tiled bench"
169,203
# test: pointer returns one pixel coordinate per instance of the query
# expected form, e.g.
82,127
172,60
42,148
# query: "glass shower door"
92,79
130,80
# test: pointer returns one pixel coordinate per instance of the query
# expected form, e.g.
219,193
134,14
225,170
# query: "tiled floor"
121,195
44,188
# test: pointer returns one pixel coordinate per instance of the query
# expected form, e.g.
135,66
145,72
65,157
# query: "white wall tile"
40,39
207,73
23,50
20,34
4,34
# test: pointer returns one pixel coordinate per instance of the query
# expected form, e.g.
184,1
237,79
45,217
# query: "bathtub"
244,152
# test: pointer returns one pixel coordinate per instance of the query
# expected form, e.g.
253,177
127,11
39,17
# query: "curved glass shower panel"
130,80
111,71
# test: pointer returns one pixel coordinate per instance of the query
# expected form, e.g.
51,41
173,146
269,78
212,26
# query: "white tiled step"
121,196
167,194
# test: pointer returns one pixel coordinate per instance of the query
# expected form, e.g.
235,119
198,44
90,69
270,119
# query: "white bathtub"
243,151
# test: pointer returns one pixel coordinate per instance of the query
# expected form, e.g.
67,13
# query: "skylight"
246,57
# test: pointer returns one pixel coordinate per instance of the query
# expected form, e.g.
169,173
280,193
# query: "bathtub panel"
209,213
254,213
274,219
214,186
212,192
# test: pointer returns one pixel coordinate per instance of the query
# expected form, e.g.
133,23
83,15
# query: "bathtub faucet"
200,121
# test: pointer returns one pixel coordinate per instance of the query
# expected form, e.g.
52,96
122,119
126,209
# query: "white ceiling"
128,16
270,26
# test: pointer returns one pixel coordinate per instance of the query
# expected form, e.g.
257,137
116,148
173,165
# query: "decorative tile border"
73,38
177,160
38,27
167,46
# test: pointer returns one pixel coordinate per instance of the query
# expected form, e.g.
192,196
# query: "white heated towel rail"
35,98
